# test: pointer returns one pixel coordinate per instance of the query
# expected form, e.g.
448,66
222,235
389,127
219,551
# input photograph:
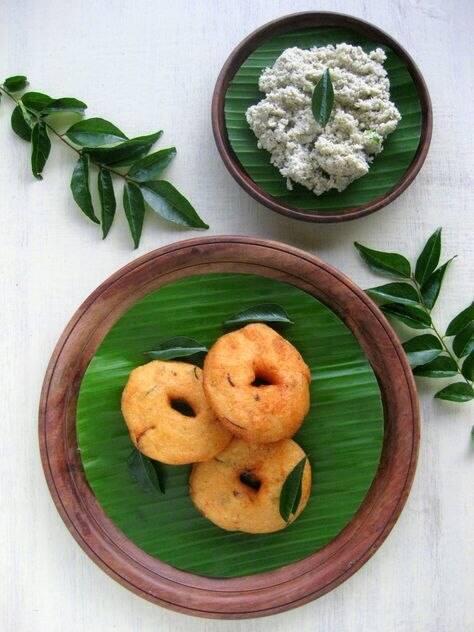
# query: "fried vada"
239,490
257,384
168,416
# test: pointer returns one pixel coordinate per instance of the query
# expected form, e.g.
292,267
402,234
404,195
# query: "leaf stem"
63,138
434,329
8,93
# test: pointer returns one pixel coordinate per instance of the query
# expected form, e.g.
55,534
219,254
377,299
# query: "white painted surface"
126,60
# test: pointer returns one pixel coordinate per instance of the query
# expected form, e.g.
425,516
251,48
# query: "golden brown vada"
168,416
239,490
257,384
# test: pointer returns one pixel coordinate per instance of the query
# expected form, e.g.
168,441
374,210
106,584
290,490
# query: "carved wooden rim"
302,20
254,595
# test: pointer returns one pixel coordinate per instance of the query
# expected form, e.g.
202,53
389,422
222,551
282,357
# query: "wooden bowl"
254,595
294,22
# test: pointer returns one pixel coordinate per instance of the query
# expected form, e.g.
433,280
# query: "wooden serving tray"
254,595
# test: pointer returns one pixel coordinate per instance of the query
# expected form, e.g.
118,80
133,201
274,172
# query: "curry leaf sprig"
147,473
268,313
322,100
177,347
290,495
37,117
410,299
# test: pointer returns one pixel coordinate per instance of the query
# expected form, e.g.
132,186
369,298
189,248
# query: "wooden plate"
254,595
291,23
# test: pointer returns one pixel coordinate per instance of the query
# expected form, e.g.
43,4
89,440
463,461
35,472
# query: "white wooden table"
128,62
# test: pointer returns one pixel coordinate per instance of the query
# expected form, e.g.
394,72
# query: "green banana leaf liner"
342,434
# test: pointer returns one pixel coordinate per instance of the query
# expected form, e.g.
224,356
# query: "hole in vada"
260,381
182,406
250,480
263,377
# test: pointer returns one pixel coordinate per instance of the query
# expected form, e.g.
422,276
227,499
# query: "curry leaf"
134,210
103,144
395,292
36,101
163,198
387,262
442,366
40,148
468,367
177,347
107,200
16,83
65,104
150,167
422,349
80,188
124,153
264,313
290,494
461,320
431,287
145,472
410,315
456,392
463,342
429,257
322,100
95,132
411,303
21,124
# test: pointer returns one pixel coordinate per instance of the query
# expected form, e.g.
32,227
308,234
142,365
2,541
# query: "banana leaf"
387,168
342,434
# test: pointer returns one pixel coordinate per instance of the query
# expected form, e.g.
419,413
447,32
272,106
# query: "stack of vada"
233,420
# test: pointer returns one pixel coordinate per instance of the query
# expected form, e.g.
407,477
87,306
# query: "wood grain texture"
127,62
291,23
255,595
